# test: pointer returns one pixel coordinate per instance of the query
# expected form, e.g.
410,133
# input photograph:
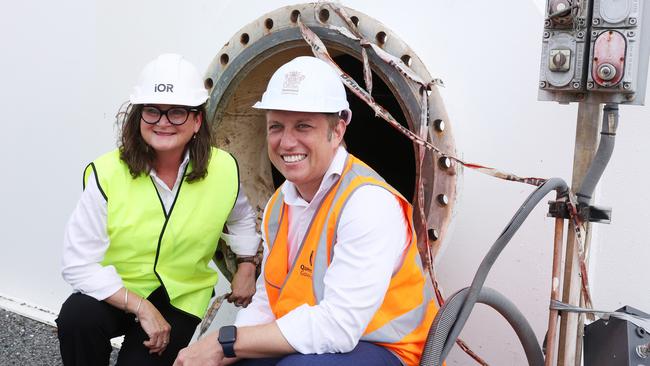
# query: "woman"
137,246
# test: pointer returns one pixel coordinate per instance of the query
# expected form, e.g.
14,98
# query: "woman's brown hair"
140,157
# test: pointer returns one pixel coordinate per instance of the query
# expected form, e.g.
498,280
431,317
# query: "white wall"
67,66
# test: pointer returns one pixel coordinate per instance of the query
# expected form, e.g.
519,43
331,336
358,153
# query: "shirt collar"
333,172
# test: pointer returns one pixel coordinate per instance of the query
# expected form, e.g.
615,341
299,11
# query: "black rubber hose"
432,355
603,154
458,321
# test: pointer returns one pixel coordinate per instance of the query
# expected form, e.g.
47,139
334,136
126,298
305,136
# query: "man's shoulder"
360,168
371,195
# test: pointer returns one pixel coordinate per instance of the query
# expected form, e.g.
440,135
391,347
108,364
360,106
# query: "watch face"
228,334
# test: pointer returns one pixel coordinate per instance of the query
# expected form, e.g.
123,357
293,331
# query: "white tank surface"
69,66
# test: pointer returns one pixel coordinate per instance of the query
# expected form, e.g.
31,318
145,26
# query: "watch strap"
227,338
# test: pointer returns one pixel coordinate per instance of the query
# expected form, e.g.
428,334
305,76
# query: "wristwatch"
227,338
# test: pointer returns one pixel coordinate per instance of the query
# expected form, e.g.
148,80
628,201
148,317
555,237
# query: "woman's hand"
243,284
152,322
156,327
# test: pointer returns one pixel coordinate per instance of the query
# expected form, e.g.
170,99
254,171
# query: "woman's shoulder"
109,157
108,164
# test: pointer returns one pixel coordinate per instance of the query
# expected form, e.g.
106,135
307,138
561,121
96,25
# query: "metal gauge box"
614,342
596,51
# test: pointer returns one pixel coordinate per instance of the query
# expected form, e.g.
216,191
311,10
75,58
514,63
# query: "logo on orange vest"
305,271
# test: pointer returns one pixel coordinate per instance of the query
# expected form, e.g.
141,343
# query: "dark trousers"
86,325
364,354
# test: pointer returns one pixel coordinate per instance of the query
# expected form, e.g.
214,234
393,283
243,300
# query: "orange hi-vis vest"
402,321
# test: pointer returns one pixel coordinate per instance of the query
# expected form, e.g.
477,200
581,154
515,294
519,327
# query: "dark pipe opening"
372,139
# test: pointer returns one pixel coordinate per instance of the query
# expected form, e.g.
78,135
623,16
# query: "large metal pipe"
241,69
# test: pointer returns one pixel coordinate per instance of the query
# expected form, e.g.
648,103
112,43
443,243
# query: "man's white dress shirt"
371,240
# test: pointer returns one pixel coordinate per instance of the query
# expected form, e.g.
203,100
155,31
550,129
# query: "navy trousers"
364,354
86,325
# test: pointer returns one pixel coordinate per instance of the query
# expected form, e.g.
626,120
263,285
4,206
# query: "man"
342,281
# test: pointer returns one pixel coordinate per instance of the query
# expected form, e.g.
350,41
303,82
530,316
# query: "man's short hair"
332,120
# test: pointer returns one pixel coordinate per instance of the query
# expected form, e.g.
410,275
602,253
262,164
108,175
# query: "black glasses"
175,115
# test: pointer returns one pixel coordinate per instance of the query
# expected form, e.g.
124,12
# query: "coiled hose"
451,318
444,321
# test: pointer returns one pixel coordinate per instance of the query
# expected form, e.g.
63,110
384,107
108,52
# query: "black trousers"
86,325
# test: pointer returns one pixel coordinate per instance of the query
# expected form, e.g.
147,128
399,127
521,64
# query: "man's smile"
294,158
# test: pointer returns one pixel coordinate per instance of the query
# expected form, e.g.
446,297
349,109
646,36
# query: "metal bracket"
598,214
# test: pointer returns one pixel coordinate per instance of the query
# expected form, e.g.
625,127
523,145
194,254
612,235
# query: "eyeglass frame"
164,113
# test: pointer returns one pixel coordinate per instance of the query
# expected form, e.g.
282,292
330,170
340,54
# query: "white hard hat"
305,84
169,79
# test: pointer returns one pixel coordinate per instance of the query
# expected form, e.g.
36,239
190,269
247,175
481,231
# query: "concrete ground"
26,342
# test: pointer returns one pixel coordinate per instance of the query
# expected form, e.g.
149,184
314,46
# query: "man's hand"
156,327
205,352
243,284
257,341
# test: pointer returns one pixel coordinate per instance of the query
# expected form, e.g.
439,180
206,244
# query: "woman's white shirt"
86,240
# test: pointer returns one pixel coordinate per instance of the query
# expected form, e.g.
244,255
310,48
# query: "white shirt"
371,239
85,241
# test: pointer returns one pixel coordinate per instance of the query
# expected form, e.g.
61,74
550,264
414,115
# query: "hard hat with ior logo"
305,84
169,79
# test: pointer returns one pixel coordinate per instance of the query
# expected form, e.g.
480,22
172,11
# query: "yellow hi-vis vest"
149,247
402,321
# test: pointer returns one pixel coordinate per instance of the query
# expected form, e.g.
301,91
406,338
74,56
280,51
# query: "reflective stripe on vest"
149,247
402,321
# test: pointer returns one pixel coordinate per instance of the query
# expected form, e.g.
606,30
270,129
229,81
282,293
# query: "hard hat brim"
172,100
320,106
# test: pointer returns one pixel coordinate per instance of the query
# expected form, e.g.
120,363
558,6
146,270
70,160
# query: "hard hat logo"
169,79
292,82
304,84
163,88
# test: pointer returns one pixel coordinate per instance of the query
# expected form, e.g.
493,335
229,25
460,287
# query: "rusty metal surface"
609,55
569,349
240,71
239,82
555,291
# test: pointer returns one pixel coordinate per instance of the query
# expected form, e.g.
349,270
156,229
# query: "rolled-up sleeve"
242,237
